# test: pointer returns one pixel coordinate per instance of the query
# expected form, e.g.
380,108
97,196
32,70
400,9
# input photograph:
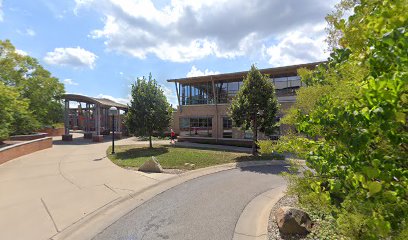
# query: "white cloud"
115,99
75,57
185,30
170,94
30,32
27,32
305,45
195,72
21,52
81,4
70,82
1,10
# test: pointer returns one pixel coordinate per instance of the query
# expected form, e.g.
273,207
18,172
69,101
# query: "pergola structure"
92,116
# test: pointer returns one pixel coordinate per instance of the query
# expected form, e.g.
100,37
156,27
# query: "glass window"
280,82
233,88
221,91
200,93
294,81
196,126
227,123
227,127
184,124
226,91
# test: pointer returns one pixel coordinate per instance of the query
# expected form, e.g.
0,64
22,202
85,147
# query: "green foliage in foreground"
175,157
358,111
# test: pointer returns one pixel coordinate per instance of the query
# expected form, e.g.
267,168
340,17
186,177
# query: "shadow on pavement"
265,169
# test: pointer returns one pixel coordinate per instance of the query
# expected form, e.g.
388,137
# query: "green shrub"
266,146
300,146
359,168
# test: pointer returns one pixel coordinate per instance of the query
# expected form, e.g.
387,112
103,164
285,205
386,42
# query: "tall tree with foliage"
255,106
16,117
34,83
358,112
149,111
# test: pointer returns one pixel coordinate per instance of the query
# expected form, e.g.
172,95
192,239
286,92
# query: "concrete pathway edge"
94,223
254,220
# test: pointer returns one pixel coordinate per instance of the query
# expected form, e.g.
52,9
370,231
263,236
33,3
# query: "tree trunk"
150,141
254,137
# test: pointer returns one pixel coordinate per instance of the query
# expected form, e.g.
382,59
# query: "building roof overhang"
273,72
103,102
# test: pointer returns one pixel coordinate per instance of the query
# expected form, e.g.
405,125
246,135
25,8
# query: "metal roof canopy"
103,102
273,72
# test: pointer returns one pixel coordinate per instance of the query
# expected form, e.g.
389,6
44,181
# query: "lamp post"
113,111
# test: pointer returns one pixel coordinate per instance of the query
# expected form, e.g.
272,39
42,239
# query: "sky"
99,48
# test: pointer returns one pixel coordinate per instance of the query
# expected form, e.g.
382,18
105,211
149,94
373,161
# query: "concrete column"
66,117
66,136
98,119
88,133
97,137
85,117
118,121
215,124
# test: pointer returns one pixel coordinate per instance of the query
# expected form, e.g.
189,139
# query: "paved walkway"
203,208
45,192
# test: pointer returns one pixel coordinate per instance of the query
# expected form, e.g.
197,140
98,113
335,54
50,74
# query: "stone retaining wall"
20,149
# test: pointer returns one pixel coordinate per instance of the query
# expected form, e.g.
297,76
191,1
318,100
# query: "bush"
360,167
300,146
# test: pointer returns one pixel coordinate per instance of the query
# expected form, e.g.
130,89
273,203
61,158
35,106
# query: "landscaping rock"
293,221
189,165
151,165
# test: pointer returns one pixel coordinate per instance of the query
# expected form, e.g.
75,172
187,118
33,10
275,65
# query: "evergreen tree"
148,110
255,105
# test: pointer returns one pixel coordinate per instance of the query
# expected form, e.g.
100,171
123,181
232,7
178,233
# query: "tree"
148,110
15,116
33,83
255,106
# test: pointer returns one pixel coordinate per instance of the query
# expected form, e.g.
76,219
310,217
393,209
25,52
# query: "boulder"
151,165
293,221
189,165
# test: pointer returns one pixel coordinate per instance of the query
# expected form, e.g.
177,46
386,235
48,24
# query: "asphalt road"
205,208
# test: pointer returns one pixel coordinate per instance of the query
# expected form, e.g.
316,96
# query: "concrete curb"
254,220
94,223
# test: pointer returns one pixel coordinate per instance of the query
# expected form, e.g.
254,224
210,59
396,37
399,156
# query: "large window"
226,127
286,82
200,93
196,127
226,91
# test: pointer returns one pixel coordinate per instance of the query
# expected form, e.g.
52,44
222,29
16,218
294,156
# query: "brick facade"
24,148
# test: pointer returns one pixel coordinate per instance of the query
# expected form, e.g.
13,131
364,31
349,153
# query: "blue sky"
99,47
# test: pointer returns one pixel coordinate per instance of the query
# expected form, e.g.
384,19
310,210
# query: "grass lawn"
172,157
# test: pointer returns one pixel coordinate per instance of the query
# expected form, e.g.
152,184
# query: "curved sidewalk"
43,193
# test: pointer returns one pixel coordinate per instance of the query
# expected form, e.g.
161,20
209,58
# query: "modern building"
202,111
